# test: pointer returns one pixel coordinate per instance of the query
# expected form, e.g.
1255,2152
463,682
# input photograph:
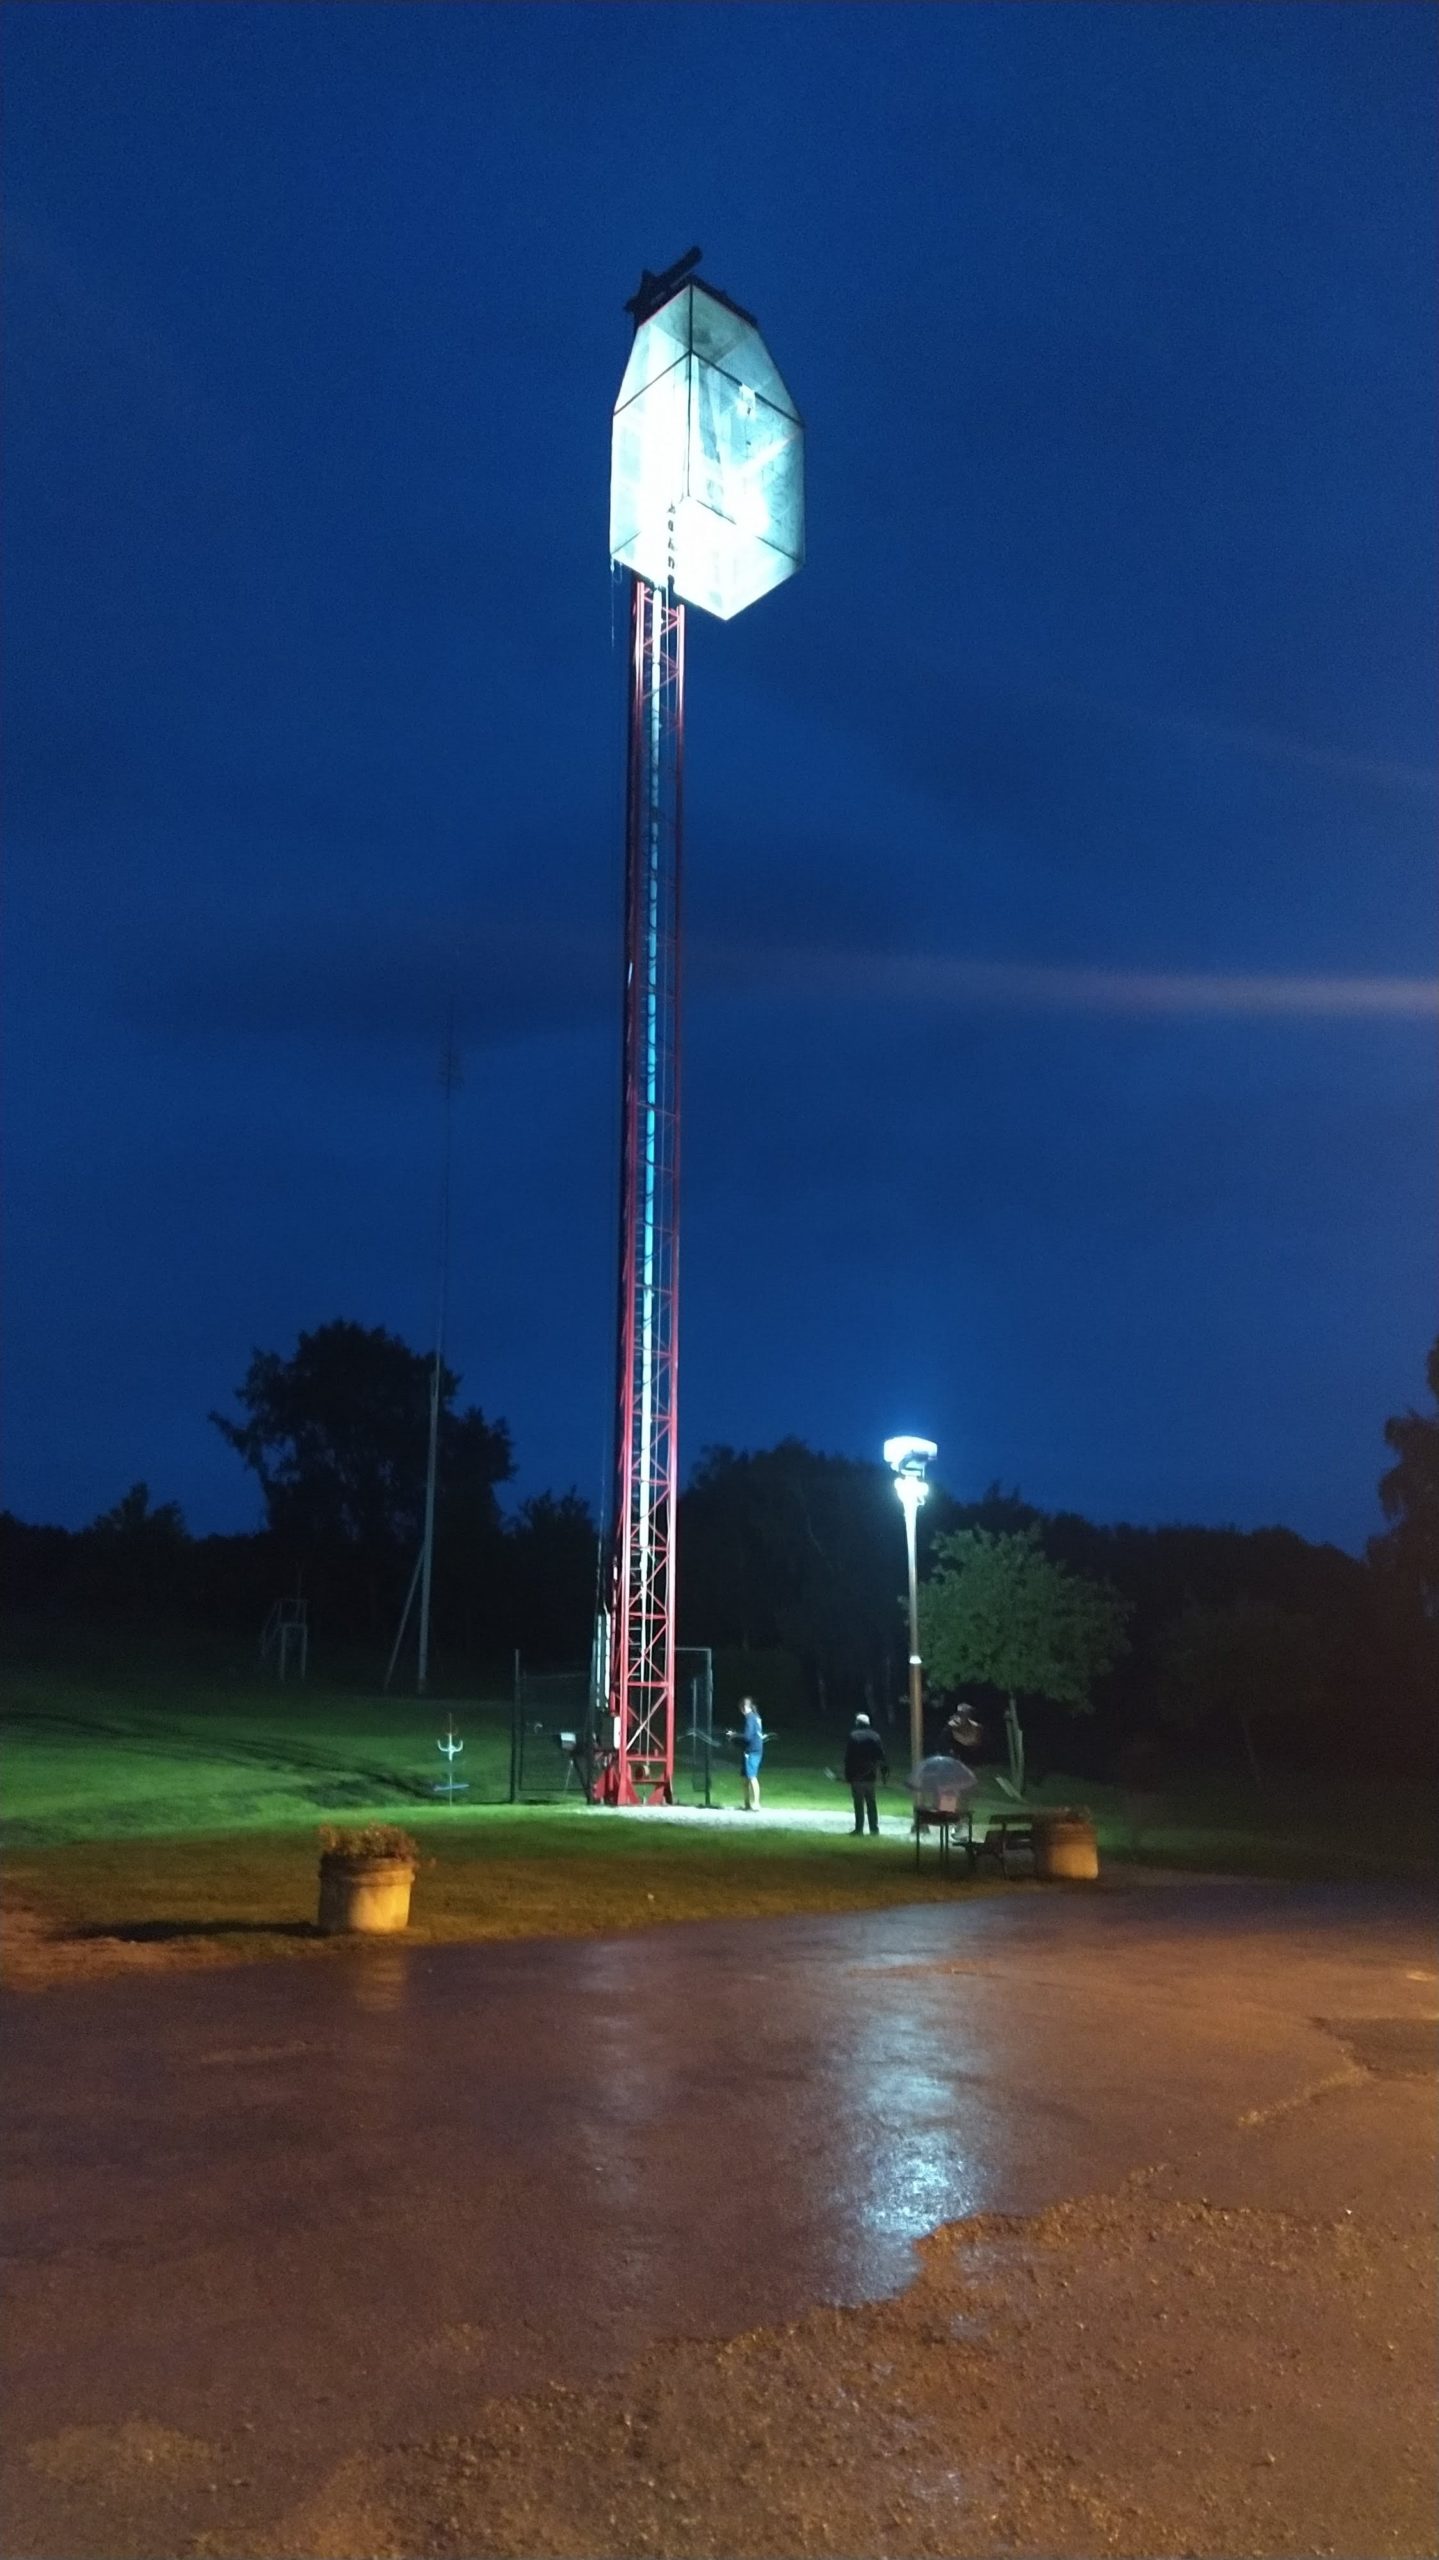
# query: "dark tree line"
1227,1641
1224,1631
336,1437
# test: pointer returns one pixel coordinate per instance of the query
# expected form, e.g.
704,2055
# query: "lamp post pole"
909,1458
911,1494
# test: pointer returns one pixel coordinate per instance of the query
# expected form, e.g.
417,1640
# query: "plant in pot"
366,1878
1066,1845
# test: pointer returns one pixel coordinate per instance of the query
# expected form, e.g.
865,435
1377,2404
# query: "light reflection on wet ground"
558,2151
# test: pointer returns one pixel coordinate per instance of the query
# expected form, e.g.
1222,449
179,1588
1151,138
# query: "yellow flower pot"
1065,1848
364,1894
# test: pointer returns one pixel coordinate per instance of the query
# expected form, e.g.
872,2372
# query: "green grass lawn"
134,1757
165,1757
180,1814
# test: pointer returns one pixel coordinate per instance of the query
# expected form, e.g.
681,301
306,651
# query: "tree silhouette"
790,1547
997,1609
1409,1491
337,1436
1248,1660
551,1571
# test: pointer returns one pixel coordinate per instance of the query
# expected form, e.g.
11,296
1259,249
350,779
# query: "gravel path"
1140,2374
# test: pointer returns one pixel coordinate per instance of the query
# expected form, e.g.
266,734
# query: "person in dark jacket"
864,1763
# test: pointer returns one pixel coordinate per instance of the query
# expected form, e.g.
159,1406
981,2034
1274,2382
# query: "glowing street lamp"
707,458
909,1458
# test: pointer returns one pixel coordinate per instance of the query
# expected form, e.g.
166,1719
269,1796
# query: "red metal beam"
642,1611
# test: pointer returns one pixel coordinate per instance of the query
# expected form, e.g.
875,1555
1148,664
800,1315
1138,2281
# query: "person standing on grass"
864,1764
751,1743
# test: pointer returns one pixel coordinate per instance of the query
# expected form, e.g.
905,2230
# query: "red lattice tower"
706,508
642,1619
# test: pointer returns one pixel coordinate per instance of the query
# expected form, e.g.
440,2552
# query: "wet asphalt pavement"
294,2210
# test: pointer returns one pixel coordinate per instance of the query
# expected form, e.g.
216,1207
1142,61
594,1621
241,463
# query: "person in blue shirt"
751,1743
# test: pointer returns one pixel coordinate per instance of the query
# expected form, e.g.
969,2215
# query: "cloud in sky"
524,974
1388,773
981,985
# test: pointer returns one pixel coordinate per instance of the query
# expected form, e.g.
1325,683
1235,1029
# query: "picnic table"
1007,1834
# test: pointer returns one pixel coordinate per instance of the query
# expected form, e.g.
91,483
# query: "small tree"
1247,1662
997,1609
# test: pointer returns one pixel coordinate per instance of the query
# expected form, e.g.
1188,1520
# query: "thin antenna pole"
449,1084
404,1622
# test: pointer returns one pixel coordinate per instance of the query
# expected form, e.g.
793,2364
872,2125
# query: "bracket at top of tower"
654,290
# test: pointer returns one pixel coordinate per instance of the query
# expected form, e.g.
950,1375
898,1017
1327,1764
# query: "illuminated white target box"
707,461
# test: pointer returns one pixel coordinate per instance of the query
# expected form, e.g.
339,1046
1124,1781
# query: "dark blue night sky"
1060,1059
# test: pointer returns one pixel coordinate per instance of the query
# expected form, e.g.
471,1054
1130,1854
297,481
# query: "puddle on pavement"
1391,2048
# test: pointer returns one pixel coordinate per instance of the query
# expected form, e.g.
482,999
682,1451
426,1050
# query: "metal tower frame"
706,501
641,1670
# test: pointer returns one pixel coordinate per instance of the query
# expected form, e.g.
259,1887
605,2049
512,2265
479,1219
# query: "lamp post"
909,1458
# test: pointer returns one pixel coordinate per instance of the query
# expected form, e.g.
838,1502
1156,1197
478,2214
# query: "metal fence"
694,1724
549,1735
554,1733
